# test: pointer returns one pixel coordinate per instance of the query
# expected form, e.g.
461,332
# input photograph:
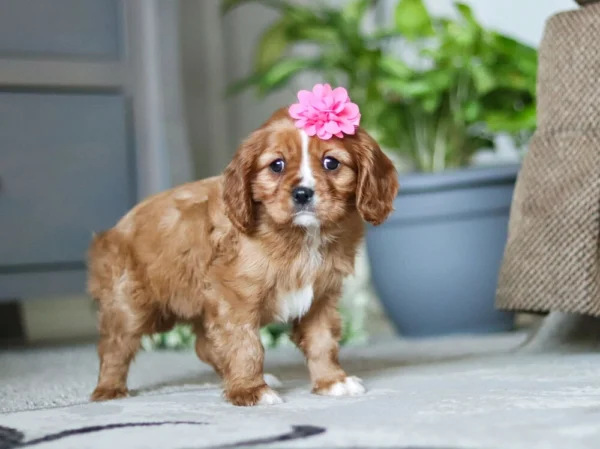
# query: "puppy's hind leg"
116,351
119,324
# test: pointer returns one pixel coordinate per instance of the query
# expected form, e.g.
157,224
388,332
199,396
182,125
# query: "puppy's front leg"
317,335
240,360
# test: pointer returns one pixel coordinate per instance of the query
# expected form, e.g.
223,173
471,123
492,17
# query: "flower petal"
332,127
301,123
340,95
350,111
304,96
347,127
310,130
318,91
318,104
323,134
297,110
339,107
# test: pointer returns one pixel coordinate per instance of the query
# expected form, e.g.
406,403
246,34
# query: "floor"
455,392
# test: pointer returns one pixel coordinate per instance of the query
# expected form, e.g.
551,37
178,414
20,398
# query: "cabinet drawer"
60,28
65,172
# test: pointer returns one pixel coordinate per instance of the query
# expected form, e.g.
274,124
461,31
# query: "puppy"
270,240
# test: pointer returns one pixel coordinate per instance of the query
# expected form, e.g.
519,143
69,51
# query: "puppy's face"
305,181
301,180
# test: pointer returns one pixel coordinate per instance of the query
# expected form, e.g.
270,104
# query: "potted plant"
435,92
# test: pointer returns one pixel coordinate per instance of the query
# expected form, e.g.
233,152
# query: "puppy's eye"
330,163
277,166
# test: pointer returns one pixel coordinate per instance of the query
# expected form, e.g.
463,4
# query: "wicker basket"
552,256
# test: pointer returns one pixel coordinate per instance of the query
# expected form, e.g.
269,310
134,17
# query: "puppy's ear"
237,184
377,184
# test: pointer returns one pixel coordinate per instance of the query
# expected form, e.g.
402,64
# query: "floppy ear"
237,184
377,184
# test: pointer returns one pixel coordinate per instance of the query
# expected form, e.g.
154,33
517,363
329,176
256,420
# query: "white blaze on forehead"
307,179
306,175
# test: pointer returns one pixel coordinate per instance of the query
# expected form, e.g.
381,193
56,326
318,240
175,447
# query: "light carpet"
460,392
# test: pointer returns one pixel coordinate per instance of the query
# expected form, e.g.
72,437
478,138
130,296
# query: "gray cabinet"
85,29
65,173
82,130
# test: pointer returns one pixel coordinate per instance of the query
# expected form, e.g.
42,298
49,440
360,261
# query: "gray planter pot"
435,261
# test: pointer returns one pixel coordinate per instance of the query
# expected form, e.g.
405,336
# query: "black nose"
302,195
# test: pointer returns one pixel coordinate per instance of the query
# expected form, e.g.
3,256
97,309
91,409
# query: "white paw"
351,386
269,397
272,381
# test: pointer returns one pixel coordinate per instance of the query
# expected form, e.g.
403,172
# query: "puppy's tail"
101,244
106,258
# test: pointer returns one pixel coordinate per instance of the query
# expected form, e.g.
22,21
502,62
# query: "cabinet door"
65,172
60,29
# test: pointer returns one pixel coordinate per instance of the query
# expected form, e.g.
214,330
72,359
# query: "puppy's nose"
302,195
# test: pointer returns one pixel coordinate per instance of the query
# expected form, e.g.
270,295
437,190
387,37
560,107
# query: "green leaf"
382,35
278,74
431,103
271,46
408,89
522,120
472,111
413,20
314,33
394,67
515,80
439,80
355,10
348,29
283,71
459,37
483,78
467,13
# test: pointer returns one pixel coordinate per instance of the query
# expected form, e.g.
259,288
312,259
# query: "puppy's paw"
350,386
270,397
106,394
263,395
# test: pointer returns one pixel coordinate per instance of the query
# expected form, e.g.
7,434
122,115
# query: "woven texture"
552,258
586,2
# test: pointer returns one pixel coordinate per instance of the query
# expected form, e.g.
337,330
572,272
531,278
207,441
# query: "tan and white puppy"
270,240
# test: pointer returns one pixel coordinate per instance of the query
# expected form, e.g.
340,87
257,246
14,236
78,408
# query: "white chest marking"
306,174
295,304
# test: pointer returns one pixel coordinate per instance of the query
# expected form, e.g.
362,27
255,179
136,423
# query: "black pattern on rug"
298,432
13,439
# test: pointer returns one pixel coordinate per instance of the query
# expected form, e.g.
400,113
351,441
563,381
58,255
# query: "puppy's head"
297,180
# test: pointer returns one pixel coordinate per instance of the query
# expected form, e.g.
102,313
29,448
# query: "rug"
460,392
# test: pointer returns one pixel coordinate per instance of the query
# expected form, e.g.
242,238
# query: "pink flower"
325,112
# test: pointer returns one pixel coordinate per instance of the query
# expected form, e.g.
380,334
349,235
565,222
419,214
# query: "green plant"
454,87
274,335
